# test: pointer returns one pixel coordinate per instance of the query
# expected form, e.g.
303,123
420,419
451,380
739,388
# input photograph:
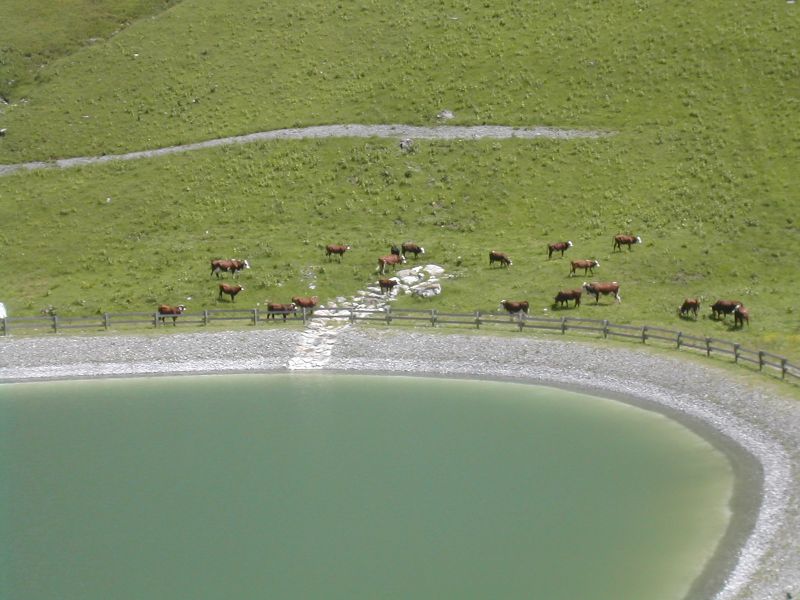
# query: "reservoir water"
357,487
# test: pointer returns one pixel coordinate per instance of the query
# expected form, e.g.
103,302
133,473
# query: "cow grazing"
233,266
306,302
723,308
386,285
586,265
558,247
625,240
336,249
165,311
690,305
564,296
412,248
740,315
604,288
390,259
273,308
500,257
515,306
231,290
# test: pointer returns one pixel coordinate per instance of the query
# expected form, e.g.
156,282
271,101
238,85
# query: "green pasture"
702,98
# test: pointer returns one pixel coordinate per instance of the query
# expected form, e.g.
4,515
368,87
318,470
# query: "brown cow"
231,290
500,257
412,248
605,288
386,285
564,296
558,247
586,265
740,315
337,249
515,306
724,308
690,305
165,310
306,302
625,240
233,265
273,308
391,259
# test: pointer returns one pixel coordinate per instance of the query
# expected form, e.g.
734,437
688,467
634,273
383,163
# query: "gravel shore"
759,429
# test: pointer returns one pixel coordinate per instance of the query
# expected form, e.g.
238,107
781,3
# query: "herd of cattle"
397,256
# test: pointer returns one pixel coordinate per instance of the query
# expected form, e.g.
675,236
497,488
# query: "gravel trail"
441,132
758,559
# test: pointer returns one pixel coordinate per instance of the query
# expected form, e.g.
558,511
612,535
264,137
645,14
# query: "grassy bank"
704,100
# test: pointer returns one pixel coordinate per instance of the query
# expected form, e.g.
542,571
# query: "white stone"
433,269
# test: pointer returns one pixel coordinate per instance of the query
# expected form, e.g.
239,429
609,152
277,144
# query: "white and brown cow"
515,306
586,265
412,248
230,290
219,265
500,257
690,305
558,247
625,240
306,302
564,296
386,284
166,310
275,308
740,316
337,249
604,288
390,259
724,308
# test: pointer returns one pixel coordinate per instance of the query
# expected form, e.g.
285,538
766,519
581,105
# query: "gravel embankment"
759,429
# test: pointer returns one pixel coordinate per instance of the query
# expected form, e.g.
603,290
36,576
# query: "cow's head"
245,265
638,240
569,244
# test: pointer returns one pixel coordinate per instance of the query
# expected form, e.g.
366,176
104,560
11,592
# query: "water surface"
332,486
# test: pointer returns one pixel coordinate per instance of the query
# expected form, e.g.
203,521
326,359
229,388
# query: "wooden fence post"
105,321
678,339
433,317
708,346
477,319
605,328
563,325
760,359
388,314
783,368
155,320
644,334
255,316
205,316
521,320
5,328
55,323
303,308
736,352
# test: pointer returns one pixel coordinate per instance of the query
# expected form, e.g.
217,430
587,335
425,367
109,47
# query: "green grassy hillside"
704,100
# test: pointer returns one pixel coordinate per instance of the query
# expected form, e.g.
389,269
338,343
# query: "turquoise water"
323,486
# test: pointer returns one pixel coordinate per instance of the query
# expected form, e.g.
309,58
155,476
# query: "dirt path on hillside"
400,132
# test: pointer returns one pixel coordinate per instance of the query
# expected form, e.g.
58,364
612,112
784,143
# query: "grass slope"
704,99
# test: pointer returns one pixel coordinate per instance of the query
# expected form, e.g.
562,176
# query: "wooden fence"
433,318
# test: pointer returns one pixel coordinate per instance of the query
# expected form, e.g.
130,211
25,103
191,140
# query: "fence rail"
389,315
